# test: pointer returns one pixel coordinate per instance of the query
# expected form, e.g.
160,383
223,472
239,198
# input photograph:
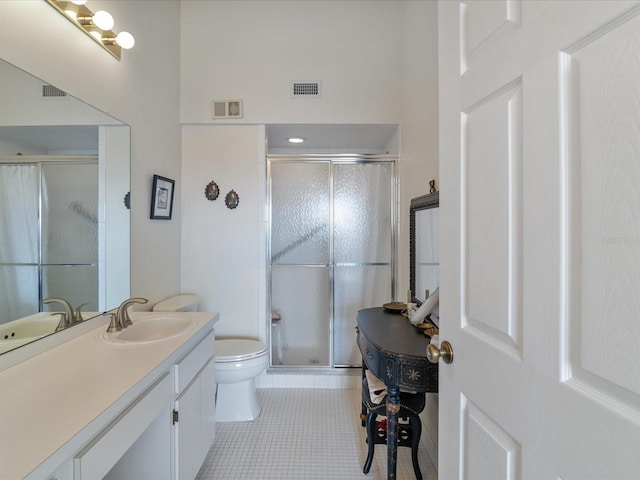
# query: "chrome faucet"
67,317
122,316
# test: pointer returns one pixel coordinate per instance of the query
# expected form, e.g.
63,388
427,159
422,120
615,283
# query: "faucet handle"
114,326
77,317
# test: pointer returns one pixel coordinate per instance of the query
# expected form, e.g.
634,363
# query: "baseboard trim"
347,379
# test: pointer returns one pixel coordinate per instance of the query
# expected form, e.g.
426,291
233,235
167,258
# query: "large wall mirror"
64,209
424,245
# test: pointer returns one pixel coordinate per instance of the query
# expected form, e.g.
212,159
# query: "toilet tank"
179,303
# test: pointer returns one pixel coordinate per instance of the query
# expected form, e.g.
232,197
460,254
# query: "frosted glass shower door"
70,233
300,263
332,241
362,249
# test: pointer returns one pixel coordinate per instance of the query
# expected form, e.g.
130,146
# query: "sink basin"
150,328
27,329
32,326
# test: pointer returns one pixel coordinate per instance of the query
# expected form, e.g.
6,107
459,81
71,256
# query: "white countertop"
55,402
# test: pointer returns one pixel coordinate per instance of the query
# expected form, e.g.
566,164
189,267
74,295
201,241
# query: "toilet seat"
238,350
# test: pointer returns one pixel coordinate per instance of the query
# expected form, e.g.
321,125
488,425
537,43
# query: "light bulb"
78,2
103,20
125,40
296,140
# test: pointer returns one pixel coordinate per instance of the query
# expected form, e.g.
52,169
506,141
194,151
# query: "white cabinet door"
195,428
540,239
207,408
187,431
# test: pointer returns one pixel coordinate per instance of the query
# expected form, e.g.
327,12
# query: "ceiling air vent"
49,91
226,109
306,89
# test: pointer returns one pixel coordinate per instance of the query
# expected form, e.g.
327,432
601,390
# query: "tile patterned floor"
310,434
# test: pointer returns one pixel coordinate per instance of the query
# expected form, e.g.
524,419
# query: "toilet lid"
237,349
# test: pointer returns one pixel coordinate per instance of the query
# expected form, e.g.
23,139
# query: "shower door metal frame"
332,160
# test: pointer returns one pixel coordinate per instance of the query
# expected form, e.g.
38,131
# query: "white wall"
366,54
419,162
419,124
141,90
254,49
222,254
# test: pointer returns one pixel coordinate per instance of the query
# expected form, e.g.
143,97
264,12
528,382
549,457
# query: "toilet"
238,362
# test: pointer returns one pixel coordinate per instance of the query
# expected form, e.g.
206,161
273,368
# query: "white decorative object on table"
426,308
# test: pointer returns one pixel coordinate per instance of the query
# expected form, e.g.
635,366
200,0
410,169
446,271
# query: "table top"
392,332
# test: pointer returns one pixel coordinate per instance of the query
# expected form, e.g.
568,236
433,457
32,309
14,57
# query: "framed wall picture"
162,198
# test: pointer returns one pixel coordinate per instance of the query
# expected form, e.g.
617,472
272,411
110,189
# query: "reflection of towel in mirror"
426,308
377,388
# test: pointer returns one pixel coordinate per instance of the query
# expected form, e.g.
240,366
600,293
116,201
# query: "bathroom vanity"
92,409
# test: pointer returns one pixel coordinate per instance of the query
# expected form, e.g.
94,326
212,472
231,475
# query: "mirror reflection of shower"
49,234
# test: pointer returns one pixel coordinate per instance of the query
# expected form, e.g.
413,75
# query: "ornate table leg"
363,411
393,407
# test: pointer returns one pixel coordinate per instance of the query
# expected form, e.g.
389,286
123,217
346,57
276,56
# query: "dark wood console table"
395,352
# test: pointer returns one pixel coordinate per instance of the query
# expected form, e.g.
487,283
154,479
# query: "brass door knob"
445,352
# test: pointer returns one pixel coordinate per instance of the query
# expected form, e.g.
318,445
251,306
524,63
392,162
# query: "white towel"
426,308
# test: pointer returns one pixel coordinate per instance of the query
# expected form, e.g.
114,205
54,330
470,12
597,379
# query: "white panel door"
540,239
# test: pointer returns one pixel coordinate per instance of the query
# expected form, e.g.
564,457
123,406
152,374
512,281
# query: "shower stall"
48,233
332,250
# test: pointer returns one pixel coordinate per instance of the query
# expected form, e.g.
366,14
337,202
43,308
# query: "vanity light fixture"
296,140
96,25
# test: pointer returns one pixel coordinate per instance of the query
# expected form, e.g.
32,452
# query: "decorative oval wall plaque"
232,199
211,191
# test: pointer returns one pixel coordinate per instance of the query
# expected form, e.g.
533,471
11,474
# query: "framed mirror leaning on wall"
424,245
64,224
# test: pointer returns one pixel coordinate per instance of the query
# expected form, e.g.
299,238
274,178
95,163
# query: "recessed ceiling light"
296,140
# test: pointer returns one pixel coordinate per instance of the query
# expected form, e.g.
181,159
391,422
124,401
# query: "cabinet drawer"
370,356
97,458
188,367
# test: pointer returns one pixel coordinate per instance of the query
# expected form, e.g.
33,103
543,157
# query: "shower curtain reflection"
48,236
18,241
